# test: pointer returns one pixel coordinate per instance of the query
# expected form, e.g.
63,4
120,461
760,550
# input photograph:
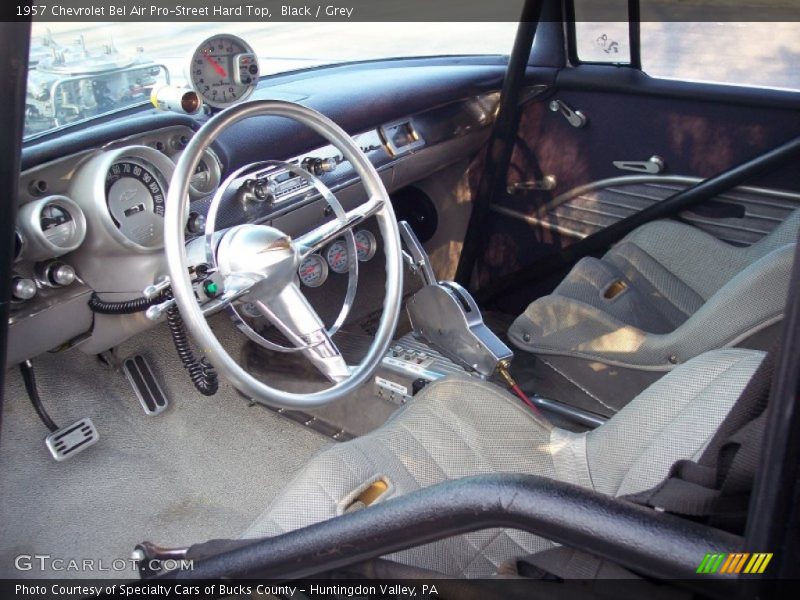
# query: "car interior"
462,316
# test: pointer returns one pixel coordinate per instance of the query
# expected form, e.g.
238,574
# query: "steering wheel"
258,263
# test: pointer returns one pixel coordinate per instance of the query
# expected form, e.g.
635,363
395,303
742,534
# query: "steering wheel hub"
261,251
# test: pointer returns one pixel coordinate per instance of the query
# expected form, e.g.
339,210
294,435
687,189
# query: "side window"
755,44
739,53
601,31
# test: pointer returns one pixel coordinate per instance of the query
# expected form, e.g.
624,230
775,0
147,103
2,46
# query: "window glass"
601,31
751,54
602,42
79,71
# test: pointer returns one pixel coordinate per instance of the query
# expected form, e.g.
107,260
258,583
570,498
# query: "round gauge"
366,245
313,270
49,227
337,256
224,70
207,174
57,224
136,193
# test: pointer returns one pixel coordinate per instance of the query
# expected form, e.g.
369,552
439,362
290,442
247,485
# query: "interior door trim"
540,218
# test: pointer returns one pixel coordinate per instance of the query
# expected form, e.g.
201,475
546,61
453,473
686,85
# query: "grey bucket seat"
459,427
664,294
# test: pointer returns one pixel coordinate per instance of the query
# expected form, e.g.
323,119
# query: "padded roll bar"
646,541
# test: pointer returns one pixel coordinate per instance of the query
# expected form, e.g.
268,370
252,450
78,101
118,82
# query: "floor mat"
204,468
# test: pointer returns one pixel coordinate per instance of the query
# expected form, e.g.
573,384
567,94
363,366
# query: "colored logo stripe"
735,562
759,562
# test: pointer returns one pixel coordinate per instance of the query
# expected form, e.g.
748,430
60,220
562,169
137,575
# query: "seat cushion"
460,427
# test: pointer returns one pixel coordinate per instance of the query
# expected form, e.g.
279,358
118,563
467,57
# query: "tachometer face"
135,193
223,70
313,271
366,245
337,256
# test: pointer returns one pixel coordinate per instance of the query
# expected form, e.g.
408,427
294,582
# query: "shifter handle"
417,257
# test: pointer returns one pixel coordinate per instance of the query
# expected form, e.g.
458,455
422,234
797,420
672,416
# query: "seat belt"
716,488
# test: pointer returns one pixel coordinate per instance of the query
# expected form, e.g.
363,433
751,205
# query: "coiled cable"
126,307
201,372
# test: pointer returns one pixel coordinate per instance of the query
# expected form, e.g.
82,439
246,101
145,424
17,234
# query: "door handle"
654,165
575,117
546,183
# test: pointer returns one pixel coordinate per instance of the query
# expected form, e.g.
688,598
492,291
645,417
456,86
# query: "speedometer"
224,70
135,193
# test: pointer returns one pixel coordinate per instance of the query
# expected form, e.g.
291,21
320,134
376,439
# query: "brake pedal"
145,385
68,441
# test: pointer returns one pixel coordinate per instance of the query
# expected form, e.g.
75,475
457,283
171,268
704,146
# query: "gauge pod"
19,245
51,226
223,70
207,174
123,193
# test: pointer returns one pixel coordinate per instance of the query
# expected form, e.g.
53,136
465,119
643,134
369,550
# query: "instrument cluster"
314,270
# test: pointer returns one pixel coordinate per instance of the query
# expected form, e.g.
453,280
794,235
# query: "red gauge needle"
217,67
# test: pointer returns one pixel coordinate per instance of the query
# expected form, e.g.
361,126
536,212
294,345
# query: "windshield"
79,71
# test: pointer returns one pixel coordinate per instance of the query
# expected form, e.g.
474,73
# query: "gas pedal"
73,439
145,385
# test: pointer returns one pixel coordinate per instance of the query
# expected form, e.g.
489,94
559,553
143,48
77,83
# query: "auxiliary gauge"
313,270
223,69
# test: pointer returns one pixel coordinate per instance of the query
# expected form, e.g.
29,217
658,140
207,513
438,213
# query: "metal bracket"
653,165
574,117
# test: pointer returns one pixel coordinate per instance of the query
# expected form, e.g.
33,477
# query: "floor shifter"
64,442
446,316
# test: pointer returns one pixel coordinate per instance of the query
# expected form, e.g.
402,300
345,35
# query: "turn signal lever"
446,316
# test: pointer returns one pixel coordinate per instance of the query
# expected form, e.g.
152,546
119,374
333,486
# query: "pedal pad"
145,385
68,441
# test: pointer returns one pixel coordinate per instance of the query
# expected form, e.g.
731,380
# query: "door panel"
699,130
742,216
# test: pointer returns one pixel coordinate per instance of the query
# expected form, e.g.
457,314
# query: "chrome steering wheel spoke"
292,314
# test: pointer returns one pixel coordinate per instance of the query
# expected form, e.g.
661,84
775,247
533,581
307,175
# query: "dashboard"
91,204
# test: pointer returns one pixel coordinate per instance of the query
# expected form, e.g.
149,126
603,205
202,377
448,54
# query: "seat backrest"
702,261
673,419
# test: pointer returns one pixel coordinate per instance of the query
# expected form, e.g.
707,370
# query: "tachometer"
366,245
224,70
313,270
337,256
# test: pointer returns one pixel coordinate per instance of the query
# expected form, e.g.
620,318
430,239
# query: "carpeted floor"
205,468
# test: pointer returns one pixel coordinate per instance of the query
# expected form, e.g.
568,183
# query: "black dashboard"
91,199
